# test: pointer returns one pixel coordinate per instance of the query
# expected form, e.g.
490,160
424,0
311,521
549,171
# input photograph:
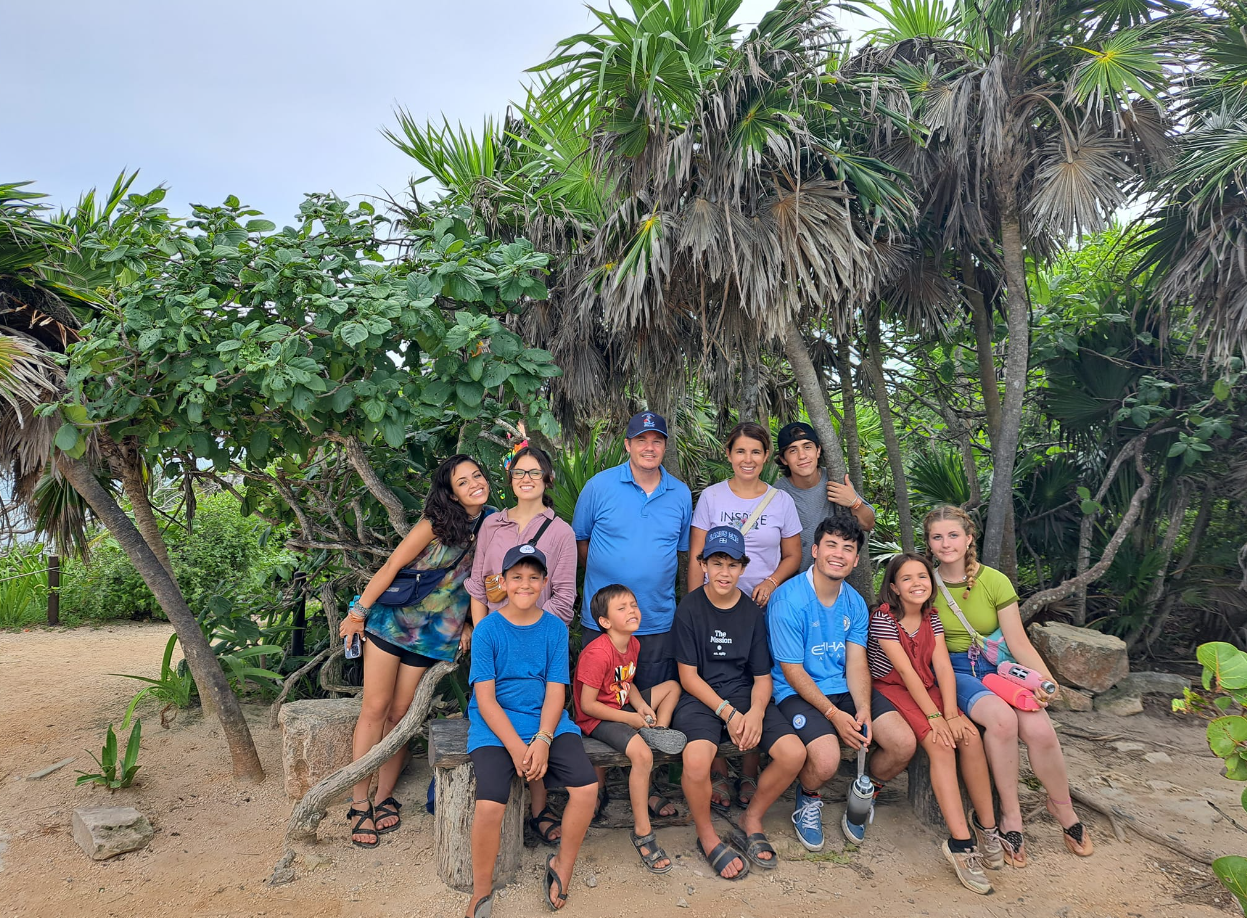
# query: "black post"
54,590
297,638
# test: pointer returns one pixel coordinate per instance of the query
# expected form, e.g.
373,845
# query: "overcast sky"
265,99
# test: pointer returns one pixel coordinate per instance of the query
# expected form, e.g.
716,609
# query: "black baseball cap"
791,433
646,420
524,552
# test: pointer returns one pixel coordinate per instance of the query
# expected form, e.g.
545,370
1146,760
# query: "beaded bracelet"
544,737
936,716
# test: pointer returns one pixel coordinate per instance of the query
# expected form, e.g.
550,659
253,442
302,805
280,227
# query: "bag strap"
975,638
471,541
542,531
757,511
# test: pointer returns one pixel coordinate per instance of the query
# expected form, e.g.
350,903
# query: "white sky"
265,99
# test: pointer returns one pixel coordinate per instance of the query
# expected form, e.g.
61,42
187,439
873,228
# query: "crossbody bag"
992,648
411,586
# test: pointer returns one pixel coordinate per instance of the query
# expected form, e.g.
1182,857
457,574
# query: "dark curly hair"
442,510
547,470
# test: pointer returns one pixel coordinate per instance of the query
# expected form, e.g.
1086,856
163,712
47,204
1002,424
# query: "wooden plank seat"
455,789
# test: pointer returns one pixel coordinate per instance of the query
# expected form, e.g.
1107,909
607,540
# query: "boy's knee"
585,794
639,754
489,811
822,756
789,752
697,768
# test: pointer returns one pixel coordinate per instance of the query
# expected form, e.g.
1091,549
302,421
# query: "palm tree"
1043,116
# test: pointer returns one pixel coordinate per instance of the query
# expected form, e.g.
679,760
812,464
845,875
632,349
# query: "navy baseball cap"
791,433
525,552
644,421
724,540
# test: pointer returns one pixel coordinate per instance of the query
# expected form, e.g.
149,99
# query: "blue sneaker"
807,819
853,833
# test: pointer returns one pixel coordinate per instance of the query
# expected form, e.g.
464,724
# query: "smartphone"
351,646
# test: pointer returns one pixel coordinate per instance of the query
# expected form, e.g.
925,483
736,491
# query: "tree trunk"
997,551
199,657
811,389
1181,502
878,384
750,379
1202,516
131,470
848,395
983,345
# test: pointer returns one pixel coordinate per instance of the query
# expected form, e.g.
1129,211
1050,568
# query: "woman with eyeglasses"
531,520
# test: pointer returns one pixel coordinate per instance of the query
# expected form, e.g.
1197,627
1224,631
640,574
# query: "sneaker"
807,819
988,843
968,865
853,833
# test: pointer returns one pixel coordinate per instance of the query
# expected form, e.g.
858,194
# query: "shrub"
23,586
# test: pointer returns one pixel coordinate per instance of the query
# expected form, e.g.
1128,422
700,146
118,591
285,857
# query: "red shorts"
908,708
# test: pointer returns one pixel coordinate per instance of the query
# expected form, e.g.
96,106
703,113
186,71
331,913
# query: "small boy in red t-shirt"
611,709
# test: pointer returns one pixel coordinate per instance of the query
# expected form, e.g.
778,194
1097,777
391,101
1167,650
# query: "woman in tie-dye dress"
400,644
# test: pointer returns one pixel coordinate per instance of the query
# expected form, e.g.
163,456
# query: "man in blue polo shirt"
631,522
817,627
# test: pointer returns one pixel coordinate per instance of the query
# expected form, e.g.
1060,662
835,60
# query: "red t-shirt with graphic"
607,670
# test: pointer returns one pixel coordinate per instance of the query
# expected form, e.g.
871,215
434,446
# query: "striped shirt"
883,627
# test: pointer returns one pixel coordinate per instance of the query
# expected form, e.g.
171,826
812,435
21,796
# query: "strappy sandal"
551,821
719,785
1077,838
359,829
1014,847
740,798
721,858
383,810
486,903
655,855
656,812
552,877
754,845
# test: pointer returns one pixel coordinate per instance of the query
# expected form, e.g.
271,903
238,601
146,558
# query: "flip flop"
552,877
387,807
719,780
656,812
551,821
752,846
486,903
721,857
664,739
655,855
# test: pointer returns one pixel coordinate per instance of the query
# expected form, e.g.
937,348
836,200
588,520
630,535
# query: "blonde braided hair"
949,513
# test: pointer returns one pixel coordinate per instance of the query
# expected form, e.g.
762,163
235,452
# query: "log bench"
454,785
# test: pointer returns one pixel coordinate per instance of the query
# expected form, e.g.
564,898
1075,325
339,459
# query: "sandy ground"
216,842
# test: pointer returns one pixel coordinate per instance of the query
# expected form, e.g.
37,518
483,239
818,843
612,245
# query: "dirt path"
216,843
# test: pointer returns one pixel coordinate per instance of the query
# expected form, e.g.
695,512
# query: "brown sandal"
1077,838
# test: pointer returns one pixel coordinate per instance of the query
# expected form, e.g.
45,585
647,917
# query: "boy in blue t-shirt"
517,725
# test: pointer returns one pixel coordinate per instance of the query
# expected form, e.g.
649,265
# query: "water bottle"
861,805
1028,678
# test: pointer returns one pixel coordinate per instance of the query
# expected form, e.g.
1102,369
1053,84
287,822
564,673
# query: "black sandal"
486,903
551,877
754,845
551,821
719,779
359,826
740,798
655,855
721,858
383,810
656,812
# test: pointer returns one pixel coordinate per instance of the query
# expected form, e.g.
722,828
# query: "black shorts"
699,722
810,723
655,661
406,657
569,766
615,734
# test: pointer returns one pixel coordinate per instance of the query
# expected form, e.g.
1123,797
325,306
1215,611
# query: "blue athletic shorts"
969,689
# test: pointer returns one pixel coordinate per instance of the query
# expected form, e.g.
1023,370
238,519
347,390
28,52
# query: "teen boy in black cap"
797,454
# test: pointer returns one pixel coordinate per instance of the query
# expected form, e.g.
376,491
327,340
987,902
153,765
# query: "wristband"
544,737
857,503
355,615
936,716
773,582
831,712
730,716
718,712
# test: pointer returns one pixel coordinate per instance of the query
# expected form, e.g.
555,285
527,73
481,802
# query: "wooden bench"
454,784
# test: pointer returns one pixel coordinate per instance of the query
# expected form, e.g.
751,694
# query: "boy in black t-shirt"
720,647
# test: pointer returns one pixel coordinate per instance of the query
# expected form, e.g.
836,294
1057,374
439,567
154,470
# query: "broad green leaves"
1232,872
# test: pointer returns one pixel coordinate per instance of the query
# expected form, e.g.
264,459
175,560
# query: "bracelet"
355,615
718,712
936,716
730,716
544,737
831,712
857,503
773,580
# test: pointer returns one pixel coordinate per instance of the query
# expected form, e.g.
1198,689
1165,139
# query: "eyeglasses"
521,474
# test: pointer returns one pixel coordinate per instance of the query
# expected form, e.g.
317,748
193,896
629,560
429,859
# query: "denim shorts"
969,688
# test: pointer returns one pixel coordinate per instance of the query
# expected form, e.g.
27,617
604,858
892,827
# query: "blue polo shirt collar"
663,476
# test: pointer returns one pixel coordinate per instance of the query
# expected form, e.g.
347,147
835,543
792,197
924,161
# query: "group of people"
770,650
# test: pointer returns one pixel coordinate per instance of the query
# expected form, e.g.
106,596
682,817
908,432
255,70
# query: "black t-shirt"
728,646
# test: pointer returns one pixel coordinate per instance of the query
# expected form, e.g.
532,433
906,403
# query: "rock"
1128,746
681,902
1081,656
1123,704
315,740
106,831
1150,683
1070,699
591,880
1157,758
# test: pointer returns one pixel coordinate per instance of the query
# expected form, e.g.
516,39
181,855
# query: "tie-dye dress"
433,627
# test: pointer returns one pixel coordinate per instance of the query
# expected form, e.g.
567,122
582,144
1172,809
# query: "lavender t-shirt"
718,506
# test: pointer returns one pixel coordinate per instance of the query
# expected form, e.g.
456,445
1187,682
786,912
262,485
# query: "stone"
1070,699
1128,746
1115,701
681,902
1157,758
1081,657
315,741
1150,683
106,831
591,880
